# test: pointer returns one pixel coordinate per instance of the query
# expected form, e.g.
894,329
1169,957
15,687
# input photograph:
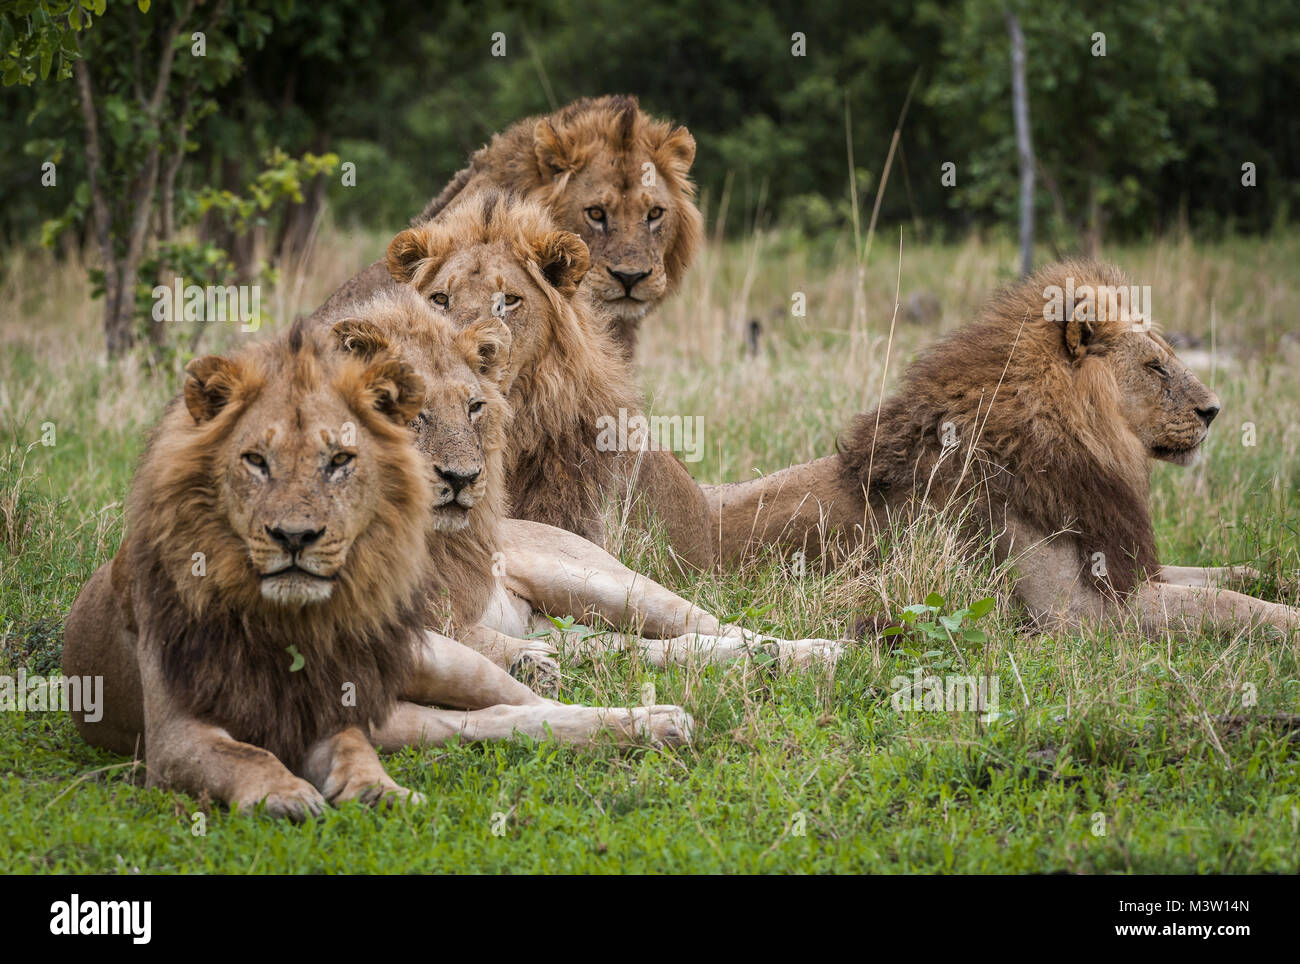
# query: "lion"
509,575
1047,422
262,626
566,380
608,173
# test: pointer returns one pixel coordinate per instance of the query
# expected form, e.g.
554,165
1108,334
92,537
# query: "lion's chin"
627,309
296,589
1184,457
452,517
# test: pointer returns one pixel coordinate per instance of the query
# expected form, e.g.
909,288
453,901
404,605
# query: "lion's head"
460,429
460,424
618,179
1164,405
286,475
1062,392
497,256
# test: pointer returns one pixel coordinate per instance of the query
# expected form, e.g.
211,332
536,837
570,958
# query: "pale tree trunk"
1024,143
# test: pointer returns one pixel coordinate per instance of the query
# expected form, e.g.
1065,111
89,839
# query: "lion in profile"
503,256
1046,422
607,172
263,624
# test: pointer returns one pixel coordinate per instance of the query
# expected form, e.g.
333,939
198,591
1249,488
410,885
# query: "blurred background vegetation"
1150,138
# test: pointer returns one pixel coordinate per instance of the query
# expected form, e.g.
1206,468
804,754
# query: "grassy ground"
788,773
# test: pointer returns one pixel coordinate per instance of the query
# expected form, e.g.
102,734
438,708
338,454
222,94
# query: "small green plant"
927,621
567,626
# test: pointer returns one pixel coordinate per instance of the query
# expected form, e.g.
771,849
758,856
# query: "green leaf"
143,5
934,600
975,636
982,607
892,631
47,60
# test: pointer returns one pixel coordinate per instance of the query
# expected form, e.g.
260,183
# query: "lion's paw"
387,796
538,671
666,725
291,798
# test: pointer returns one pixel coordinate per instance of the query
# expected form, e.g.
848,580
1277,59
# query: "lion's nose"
458,480
1208,412
628,279
294,540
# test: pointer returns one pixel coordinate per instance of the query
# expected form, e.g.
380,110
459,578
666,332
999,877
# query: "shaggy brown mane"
557,398
610,129
1049,441
224,649
461,579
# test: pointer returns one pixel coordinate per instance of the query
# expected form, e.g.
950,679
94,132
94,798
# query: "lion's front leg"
1164,606
346,767
185,754
565,575
413,725
1239,578
449,673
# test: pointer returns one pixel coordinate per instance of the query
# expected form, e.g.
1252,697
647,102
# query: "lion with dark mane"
1047,425
606,171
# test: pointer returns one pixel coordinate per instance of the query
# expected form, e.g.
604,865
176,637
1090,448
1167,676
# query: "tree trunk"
1024,144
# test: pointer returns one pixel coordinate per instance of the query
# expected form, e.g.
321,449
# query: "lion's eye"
255,460
341,459
1158,368
597,214
655,214
476,406
439,298
511,300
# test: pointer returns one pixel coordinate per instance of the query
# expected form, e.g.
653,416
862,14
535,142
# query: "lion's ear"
405,252
678,150
564,260
553,150
1079,331
359,337
394,389
211,383
486,345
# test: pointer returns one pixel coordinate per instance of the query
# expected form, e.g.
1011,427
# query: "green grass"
788,773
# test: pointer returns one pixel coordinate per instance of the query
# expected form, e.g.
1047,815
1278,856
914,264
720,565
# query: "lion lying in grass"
1047,427
508,572
263,622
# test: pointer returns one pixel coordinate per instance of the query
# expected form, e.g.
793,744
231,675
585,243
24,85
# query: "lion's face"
627,226
621,182
499,260
460,421
1164,404
298,477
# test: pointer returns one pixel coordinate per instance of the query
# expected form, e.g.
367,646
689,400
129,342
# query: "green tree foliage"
1148,137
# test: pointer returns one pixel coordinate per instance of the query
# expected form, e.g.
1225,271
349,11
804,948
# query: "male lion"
494,577
262,622
502,255
607,172
1048,427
